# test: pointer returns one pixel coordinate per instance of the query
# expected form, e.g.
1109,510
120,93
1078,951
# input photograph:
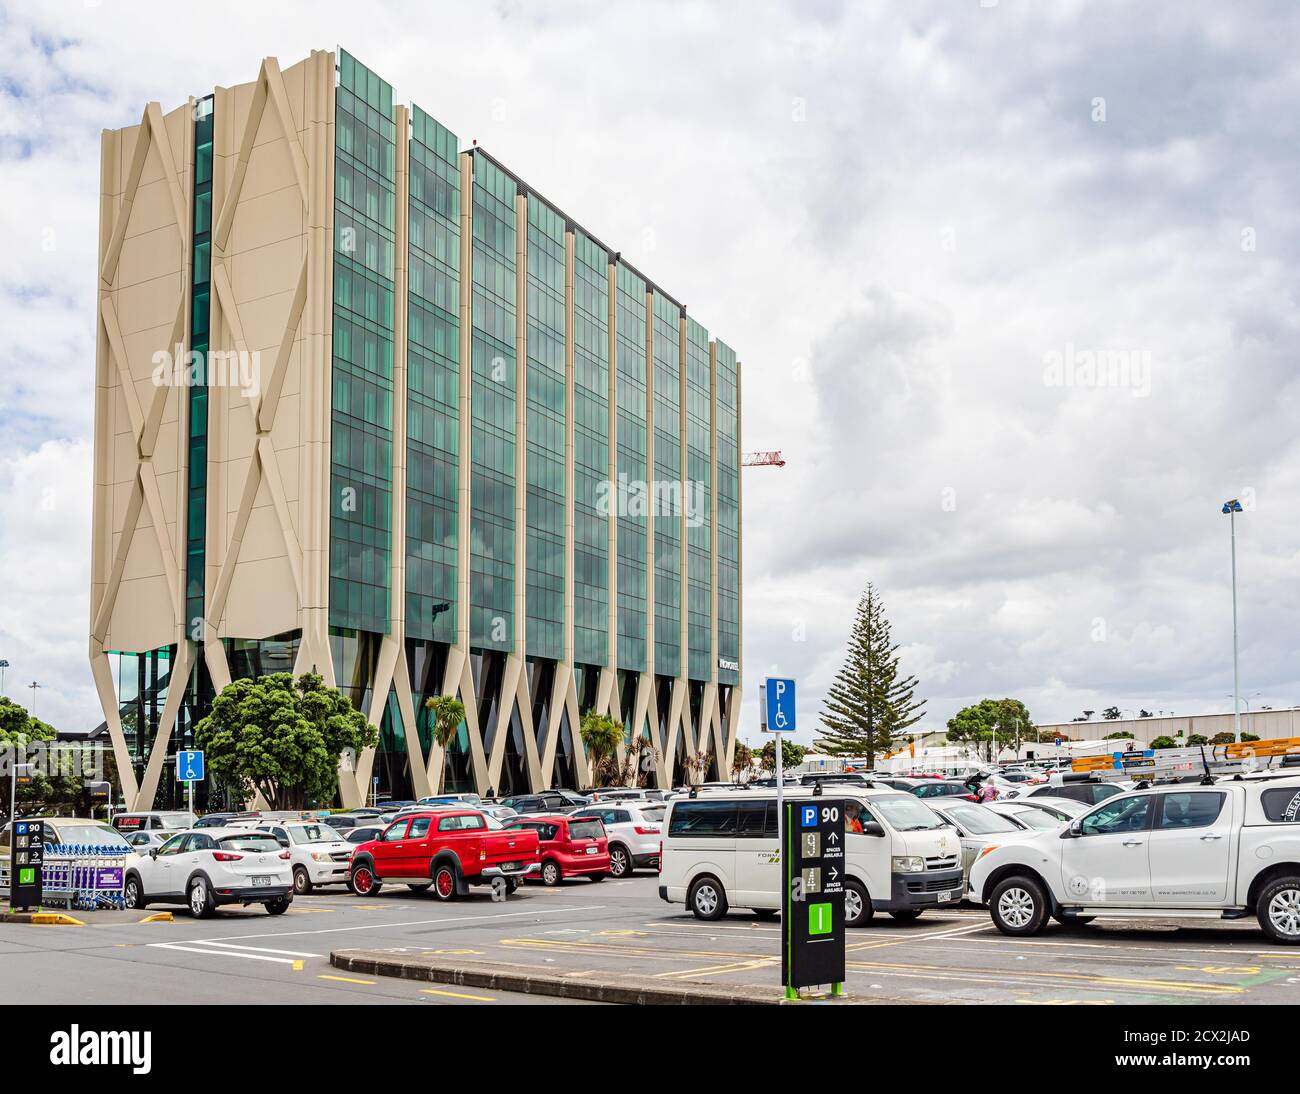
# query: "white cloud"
892,212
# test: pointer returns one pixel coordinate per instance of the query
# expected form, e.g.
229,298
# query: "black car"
547,801
942,788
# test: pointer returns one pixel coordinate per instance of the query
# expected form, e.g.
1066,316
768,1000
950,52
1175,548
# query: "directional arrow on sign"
833,837
834,873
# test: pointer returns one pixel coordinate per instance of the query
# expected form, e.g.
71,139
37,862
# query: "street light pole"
1232,507
3,665
33,685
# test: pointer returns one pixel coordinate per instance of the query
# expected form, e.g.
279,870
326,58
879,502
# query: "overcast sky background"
895,213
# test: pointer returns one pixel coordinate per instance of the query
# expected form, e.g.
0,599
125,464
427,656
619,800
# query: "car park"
449,849
210,867
1222,849
568,846
720,851
319,854
634,830
1029,816
1086,791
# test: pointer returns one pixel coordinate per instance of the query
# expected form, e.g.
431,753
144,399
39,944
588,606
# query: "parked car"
214,820
344,822
1220,851
363,834
141,842
319,853
634,830
449,849
721,851
502,813
206,868
456,798
977,825
1087,791
834,778
568,846
1042,820
943,788
173,821
546,801
1065,809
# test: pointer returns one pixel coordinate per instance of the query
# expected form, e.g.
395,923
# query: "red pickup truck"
448,849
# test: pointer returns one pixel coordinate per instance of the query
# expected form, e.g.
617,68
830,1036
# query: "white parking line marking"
261,949
225,953
391,926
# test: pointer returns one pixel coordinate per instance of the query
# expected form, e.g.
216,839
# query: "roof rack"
1210,761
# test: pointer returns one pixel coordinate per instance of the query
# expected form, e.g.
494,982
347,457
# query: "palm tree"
601,736
448,713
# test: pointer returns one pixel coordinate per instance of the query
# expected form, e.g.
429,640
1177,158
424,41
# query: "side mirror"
873,828
153,852
1073,830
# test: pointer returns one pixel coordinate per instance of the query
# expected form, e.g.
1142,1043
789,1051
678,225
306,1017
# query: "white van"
720,851
175,820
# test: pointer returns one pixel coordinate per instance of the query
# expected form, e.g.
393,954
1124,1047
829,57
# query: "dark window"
253,842
1190,809
756,820
703,818
172,846
1281,805
586,829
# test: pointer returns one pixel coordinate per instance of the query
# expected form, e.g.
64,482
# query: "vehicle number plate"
261,879
592,850
945,896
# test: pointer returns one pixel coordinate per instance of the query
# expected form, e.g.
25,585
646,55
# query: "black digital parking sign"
812,900
27,855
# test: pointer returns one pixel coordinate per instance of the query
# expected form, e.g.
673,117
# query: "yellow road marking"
297,966
1050,977
458,995
344,979
158,917
713,970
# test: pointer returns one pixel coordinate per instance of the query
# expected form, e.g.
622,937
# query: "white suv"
634,829
319,853
1216,850
208,867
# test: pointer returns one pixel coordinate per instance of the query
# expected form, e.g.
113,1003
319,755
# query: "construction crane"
762,459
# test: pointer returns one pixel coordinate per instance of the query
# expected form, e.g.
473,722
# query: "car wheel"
278,906
301,881
706,898
444,881
1019,906
1279,910
362,880
906,915
620,862
133,893
201,903
857,904
418,886
551,872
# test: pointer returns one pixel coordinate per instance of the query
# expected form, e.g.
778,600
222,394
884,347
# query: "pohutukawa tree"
871,704
282,738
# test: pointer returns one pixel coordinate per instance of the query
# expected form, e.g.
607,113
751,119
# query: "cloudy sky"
920,225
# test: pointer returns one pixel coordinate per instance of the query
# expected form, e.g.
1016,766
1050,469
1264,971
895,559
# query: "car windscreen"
249,843
654,813
907,814
312,833
99,835
979,821
586,829
1037,818
175,821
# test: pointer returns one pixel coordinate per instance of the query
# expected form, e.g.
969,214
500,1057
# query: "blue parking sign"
808,816
189,766
780,705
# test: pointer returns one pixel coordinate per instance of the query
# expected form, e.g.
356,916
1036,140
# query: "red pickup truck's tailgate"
506,849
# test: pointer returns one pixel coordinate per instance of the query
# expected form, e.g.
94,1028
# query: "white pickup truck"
1220,850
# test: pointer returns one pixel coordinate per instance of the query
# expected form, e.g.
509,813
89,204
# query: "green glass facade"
546,423
361,433
200,323
699,529
669,483
591,509
630,388
728,456
492,409
432,381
